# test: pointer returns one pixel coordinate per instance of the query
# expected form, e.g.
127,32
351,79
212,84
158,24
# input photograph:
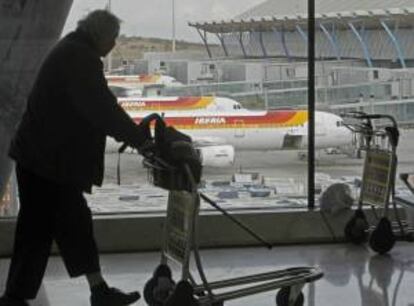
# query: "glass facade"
266,74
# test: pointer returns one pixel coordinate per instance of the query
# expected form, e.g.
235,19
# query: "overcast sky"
153,18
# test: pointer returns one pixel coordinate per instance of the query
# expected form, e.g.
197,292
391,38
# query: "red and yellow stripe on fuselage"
270,119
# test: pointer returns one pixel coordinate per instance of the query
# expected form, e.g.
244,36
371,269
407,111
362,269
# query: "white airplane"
162,104
217,134
133,85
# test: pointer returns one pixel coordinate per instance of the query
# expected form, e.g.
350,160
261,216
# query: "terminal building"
364,57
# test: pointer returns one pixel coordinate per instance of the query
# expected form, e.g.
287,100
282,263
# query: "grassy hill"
129,48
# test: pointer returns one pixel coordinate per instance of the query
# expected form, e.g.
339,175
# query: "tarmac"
136,194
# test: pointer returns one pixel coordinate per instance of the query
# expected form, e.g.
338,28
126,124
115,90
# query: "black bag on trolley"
174,150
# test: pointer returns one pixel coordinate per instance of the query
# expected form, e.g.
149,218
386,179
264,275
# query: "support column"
302,33
311,104
204,39
281,35
396,44
262,43
332,41
363,44
253,41
242,45
223,44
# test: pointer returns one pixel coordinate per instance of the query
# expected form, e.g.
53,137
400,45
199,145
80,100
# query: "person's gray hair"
100,24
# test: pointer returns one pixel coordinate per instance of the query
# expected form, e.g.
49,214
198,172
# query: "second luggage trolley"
378,184
180,243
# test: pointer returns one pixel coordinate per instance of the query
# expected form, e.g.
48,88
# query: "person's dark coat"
70,112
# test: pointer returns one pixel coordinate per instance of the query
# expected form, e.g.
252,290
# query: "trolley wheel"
382,238
282,298
159,287
356,228
183,295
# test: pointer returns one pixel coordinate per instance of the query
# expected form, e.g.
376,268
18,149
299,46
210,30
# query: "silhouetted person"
59,153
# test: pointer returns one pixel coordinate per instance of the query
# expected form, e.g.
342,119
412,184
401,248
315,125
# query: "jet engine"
217,156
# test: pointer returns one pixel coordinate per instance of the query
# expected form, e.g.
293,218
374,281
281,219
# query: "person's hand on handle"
148,145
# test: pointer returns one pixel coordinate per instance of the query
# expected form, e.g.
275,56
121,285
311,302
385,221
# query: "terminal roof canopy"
291,7
270,15
288,22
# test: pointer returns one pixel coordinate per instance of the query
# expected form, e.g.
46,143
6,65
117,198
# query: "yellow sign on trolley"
377,176
180,214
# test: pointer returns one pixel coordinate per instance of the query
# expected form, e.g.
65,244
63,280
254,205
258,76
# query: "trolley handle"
366,128
381,116
362,115
354,114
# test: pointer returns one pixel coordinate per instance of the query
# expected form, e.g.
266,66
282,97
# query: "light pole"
173,26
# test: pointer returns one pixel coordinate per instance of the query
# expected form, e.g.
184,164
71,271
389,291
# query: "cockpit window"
339,123
119,92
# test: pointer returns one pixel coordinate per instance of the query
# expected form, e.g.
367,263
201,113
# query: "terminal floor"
353,275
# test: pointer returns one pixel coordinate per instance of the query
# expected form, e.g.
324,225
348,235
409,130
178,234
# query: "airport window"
240,75
248,81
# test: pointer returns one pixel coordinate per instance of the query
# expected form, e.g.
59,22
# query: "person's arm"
91,96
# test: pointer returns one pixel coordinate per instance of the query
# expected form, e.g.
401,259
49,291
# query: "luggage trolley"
180,243
378,184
